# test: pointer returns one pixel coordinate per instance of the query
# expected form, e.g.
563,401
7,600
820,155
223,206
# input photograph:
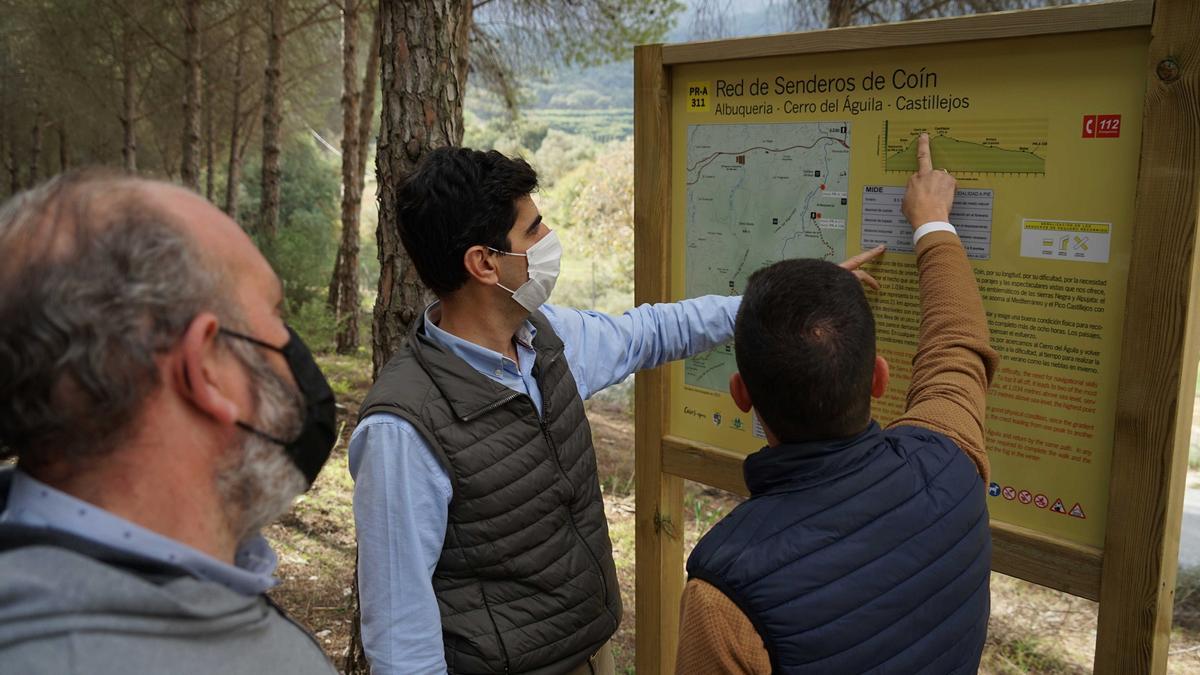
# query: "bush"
592,207
314,323
305,246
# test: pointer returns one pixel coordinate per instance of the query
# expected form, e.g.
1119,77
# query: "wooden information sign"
1074,133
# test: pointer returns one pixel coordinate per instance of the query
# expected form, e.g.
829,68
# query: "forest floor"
1032,629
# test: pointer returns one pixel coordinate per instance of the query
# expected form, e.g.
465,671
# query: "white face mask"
543,260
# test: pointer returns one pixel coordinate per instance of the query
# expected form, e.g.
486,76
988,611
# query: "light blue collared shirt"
402,494
34,504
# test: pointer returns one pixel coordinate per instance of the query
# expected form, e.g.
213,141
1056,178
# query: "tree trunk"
234,174
129,103
64,150
841,13
210,149
366,117
189,166
268,221
35,147
236,161
343,287
14,169
424,58
423,83
10,163
347,338
356,661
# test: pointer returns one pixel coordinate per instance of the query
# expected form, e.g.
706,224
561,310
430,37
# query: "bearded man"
161,413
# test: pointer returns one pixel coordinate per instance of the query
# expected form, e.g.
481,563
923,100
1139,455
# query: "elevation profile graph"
999,146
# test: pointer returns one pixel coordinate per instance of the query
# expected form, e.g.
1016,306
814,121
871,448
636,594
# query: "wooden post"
659,497
1158,360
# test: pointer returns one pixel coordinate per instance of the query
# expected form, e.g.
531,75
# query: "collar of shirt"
492,364
35,504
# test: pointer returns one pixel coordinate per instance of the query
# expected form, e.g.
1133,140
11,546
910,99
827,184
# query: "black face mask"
311,448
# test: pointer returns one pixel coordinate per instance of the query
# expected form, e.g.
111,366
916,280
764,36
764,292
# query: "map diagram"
756,194
1013,146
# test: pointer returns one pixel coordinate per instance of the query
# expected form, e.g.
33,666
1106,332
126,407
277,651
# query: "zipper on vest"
562,472
499,638
491,406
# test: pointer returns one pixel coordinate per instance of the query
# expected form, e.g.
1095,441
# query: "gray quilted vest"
526,582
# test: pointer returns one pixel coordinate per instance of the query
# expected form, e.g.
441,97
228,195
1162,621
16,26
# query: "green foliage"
559,154
305,247
599,125
605,87
532,134
592,208
314,323
704,512
1026,655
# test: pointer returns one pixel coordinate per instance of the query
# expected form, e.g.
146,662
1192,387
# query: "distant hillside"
597,102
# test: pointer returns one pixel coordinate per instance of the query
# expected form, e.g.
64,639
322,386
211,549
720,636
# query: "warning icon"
1058,506
1077,511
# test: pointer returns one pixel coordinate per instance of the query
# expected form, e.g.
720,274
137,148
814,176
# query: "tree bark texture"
841,13
64,149
367,108
10,159
129,102
352,195
424,47
210,151
35,149
234,173
268,221
236,161
14,170
6,135
189,166
343,287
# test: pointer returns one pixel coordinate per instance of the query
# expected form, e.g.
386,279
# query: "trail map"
756,194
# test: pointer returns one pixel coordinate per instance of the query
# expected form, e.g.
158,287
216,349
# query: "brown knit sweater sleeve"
715,637
954,363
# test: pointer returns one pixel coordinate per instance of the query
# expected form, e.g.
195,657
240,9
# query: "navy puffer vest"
865,555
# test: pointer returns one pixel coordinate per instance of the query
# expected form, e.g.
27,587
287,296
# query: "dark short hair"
805,341
457,198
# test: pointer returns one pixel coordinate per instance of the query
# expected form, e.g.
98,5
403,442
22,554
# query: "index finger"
863,258
924,159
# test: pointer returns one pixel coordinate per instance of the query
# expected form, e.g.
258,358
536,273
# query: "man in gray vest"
161,413
483,546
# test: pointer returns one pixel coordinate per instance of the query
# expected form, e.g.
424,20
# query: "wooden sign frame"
1133,576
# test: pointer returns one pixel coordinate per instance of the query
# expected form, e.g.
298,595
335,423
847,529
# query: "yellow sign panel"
807,156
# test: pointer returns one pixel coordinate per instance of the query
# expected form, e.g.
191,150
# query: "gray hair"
96,283
261,481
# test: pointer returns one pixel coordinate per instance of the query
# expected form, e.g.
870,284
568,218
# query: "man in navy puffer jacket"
861,549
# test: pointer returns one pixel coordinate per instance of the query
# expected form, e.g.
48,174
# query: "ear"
739,392
480,263
195,374
879,381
